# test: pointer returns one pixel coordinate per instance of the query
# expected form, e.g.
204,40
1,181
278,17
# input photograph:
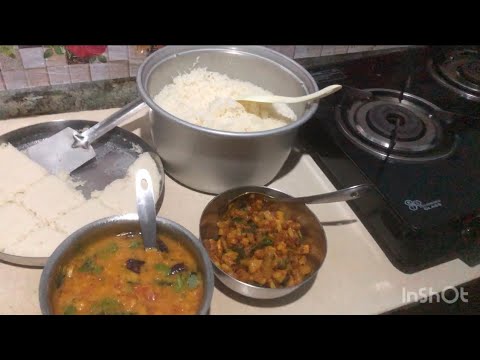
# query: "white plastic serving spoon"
290,100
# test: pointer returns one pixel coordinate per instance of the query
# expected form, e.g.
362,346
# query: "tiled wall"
29,66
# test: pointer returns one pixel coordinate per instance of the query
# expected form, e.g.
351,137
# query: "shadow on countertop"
268,303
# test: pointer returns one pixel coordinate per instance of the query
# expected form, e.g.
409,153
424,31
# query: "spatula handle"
350,193
95,132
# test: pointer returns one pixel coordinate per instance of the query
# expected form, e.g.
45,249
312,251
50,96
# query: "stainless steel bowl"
312,231
117,225
212,160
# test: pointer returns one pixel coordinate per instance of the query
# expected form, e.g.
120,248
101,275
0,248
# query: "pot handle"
95,132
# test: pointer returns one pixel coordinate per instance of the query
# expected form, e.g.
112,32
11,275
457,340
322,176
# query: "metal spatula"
68,149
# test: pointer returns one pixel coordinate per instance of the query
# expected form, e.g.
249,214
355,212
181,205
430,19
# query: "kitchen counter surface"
356,277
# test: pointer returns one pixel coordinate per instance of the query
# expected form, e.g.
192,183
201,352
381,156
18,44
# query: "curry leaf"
252,226
162,268
89,265
108,250
192,281
58,49
240,251
70,310
181,282
107,306
134,245
266,241
113,248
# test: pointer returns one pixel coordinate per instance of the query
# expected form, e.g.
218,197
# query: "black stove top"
405,122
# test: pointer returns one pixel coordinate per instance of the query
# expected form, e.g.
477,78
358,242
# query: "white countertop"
356,277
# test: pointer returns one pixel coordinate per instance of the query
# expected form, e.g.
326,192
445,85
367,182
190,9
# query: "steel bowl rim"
250,286
309,112
56,257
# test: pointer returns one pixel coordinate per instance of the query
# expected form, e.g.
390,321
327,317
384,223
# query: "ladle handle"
291,100
146,208
317,95
351,193
95,132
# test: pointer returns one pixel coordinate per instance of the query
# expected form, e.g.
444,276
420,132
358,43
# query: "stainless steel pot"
211,160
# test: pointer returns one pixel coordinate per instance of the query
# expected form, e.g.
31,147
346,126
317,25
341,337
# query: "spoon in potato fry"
350,193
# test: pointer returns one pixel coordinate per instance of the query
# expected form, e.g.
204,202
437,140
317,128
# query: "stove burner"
458,70
386,118
404,130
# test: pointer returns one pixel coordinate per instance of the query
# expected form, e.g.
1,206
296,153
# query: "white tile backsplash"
134,53
341,49
99,71
133,68
58,75
32,57
359,48
328,50
37,77
382,47
304,51
288,50
118,69
27,68
15,79
79,73
117,52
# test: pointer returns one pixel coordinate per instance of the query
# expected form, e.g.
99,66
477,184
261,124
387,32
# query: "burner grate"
471,71
386,127
458,70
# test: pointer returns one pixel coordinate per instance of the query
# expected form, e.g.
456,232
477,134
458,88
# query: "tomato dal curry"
116,276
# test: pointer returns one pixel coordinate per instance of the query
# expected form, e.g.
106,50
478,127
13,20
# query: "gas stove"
408,123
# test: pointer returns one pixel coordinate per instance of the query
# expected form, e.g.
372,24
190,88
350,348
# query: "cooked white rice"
205,98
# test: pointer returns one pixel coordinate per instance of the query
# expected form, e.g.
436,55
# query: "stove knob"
471,231
469,248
